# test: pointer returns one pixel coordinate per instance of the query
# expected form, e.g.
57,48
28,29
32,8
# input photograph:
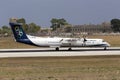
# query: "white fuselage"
67,42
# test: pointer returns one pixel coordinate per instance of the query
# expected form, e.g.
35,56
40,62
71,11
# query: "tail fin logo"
18,31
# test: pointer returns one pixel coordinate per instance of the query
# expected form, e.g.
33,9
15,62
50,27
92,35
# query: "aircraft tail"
19,34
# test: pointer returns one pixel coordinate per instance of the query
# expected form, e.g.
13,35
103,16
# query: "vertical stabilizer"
19,34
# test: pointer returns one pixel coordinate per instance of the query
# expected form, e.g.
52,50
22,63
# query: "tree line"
33,28
115,25
55,24
5,30
28,28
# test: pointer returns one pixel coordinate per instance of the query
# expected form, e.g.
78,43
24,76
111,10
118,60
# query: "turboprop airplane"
56,42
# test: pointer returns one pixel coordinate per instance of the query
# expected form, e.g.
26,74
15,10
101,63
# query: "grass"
65,68
8,42
59,68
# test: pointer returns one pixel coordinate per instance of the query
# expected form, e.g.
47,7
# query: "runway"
50,52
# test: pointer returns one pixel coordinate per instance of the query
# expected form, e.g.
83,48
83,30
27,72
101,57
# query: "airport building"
101,28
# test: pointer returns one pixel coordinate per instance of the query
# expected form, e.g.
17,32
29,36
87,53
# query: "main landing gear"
105,48
69,49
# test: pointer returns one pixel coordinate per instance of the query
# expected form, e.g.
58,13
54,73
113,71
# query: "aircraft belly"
39,42
94,45
55,44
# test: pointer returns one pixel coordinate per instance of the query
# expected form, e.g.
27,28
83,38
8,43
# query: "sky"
74,11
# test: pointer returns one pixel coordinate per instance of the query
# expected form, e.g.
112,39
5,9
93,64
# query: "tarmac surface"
51,52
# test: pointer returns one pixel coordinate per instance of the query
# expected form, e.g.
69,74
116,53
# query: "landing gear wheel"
105,48
57,48
69,49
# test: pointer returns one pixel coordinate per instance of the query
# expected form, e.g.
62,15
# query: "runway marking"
50,52
61,50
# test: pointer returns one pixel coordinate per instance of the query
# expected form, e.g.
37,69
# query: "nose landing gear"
105,48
